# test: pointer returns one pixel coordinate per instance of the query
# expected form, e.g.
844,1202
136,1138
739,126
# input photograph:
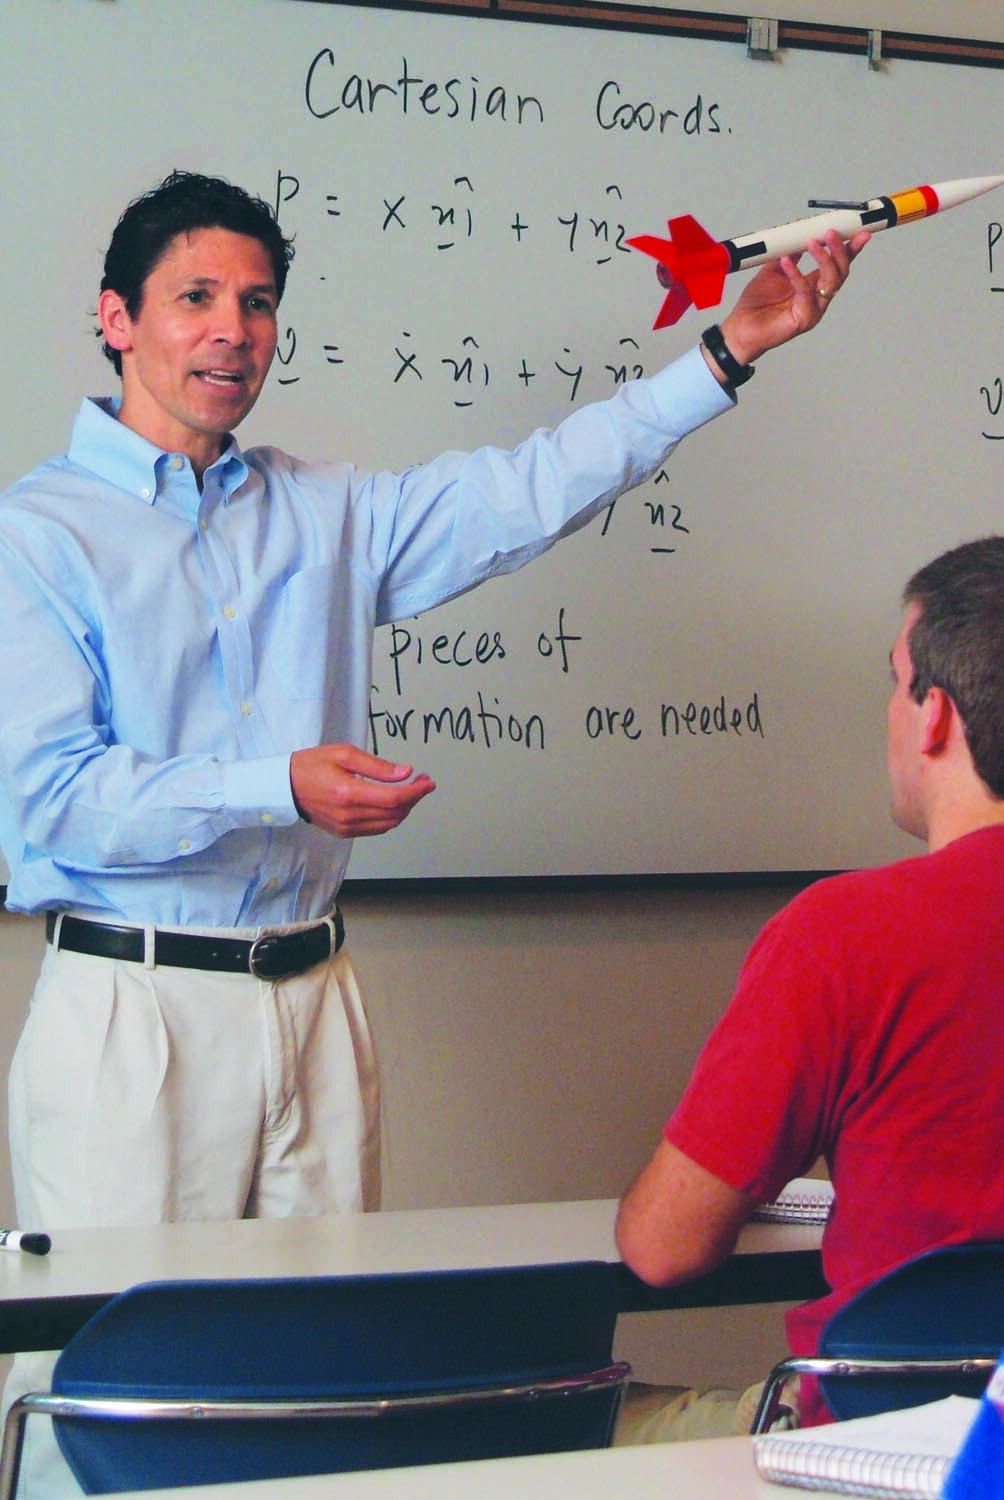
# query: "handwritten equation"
464,374
992,392
446,223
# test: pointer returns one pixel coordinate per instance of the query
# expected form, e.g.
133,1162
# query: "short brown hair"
957,644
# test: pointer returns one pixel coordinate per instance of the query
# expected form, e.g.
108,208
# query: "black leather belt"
273,956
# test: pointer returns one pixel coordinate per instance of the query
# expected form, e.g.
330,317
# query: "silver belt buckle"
258,950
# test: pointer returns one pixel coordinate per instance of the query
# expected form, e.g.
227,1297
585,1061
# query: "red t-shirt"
868,1028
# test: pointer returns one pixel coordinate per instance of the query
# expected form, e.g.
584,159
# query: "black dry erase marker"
33,1243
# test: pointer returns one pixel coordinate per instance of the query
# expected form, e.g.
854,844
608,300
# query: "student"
866,1023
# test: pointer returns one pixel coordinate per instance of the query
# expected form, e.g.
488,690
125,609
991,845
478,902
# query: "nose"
231,324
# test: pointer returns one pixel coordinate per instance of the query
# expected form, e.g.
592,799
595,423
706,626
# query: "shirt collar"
101,443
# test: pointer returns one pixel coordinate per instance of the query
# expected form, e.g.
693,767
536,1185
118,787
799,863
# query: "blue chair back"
355,1337
944,1304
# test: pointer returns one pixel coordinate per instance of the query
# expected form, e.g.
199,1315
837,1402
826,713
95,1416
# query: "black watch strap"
736,374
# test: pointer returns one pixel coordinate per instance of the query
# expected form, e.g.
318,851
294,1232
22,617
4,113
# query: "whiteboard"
696,683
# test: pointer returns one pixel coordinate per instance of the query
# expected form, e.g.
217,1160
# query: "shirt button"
145,492
247,709
184,844
176,462
267,817
229,613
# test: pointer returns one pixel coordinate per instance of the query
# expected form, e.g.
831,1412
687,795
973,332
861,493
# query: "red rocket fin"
675,305
702,263
691,264
689,237
664,251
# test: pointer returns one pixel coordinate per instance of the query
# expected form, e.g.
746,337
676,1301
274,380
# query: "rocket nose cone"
962,189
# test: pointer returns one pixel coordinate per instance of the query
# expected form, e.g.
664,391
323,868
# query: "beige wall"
532,1043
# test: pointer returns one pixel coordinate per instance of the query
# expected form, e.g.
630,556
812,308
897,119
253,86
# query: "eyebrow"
211,281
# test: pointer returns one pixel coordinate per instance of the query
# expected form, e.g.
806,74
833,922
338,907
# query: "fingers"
365,818
782,301
833,257
361,763
351,793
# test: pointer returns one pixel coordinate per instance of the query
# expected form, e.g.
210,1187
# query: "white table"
44,1300
720,1469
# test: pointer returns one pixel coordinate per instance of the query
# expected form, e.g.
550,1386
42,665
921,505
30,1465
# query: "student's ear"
116,324
939,715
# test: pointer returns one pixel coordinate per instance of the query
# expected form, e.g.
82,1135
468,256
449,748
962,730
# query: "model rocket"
693,266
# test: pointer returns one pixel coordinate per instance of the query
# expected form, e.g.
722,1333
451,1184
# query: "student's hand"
782,301
352,793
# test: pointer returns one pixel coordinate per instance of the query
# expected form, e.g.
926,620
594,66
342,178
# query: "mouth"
224,379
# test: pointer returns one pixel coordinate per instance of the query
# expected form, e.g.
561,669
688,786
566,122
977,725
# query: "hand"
351,793
781,301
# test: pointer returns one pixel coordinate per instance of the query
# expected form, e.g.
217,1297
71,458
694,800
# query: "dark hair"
182,202
957,644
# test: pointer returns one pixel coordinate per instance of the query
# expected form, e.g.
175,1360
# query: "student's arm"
678,1220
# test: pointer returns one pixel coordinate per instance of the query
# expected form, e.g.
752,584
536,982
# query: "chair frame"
881,1331
132,1408
834,1365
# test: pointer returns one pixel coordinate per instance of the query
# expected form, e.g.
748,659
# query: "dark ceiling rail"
871,44
902,44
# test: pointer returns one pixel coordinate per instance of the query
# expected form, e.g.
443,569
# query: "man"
866,1023
185,646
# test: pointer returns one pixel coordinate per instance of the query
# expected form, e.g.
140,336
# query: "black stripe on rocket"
737,253
884,214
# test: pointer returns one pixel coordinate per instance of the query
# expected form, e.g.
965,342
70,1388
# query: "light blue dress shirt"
163,649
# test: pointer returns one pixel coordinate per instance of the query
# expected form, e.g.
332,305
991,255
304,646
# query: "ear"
116,324
940,715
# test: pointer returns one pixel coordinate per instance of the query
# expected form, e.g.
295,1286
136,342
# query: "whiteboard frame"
871,43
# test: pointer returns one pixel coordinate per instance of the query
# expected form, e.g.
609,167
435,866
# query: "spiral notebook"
805,1200
904,1455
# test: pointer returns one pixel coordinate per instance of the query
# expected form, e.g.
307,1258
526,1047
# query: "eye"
260,304
194,296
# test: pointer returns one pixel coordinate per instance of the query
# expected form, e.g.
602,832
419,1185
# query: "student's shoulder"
855,895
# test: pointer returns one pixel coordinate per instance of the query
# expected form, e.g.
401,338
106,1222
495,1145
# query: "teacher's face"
195,357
